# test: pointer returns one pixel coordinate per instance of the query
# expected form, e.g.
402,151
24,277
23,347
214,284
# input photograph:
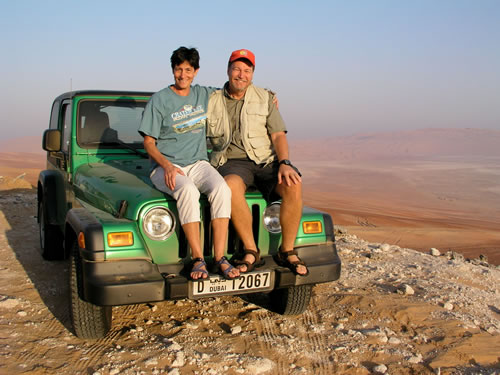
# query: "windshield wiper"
127,146
119,142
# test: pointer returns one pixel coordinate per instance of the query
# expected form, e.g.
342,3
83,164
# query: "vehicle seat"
96,128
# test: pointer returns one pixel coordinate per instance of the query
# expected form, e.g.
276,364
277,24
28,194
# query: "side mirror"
51,140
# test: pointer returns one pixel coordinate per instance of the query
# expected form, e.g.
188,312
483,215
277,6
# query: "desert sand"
449,204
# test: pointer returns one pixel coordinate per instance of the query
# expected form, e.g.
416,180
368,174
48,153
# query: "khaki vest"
254,135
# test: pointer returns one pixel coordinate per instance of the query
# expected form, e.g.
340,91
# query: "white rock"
236,329
339,327
380,369
372,332
173,346
9,303
383,339
394,341
22,313
179,360
434,252
408,290
114,371
260,366
385,247
174,371
151,362
415,359
448,306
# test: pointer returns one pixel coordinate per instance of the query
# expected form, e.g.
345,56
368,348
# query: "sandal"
199,268
250,266
225,273
282,259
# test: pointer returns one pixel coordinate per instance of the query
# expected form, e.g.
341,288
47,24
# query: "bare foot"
301,269
199,271
248,258
234,273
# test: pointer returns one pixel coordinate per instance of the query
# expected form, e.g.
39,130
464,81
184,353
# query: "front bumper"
124,282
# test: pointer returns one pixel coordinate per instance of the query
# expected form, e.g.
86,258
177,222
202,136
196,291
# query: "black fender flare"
51,191
80,220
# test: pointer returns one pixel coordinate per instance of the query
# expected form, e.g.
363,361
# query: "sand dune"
427,143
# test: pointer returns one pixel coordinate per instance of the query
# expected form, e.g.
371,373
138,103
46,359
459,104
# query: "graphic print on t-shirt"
191,117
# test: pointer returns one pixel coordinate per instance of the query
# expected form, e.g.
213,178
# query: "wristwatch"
289,163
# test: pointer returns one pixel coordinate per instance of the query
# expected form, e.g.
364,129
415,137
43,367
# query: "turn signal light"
312,227
120,239
81,240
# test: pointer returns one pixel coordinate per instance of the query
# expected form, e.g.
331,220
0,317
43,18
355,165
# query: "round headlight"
271,218
158,223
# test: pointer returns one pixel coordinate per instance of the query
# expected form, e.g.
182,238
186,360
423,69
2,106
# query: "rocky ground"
394,311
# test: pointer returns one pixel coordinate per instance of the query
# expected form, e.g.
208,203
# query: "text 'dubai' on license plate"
247,281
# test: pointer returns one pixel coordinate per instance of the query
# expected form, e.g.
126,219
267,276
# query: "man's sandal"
250,266
225,273
199,268
282,259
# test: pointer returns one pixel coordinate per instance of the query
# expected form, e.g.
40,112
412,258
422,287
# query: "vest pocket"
214,129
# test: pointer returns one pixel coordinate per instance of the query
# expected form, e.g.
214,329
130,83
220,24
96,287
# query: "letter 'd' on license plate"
247,282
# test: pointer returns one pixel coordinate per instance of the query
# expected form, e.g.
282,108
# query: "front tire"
89,321
51,238
293,300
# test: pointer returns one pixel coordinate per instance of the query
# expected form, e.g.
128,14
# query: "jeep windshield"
110,123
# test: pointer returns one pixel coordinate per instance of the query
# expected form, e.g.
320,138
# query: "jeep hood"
105,185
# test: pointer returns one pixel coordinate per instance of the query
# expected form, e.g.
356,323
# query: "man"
250,147
173,127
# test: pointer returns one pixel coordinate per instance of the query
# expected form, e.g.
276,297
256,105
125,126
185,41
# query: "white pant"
199,177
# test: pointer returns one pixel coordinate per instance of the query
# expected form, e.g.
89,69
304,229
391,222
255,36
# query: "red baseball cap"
242,54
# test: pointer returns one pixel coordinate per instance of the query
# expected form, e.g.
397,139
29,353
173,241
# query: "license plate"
247,282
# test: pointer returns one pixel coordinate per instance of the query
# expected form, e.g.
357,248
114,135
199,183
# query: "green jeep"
97,206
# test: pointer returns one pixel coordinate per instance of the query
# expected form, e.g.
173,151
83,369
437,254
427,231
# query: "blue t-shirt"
178,123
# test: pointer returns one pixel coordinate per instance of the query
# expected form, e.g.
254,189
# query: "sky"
338,67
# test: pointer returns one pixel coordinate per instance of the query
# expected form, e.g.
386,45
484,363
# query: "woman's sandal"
250,266
282,259
225,273
198,268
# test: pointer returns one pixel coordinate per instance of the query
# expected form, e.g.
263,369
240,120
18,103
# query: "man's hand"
288,175
170,174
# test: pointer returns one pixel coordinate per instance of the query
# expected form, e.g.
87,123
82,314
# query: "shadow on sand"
50,279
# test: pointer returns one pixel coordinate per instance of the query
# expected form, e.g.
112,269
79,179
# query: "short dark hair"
182,54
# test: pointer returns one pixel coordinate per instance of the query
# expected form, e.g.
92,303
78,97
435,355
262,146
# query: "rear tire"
89,321
293,300
51,238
